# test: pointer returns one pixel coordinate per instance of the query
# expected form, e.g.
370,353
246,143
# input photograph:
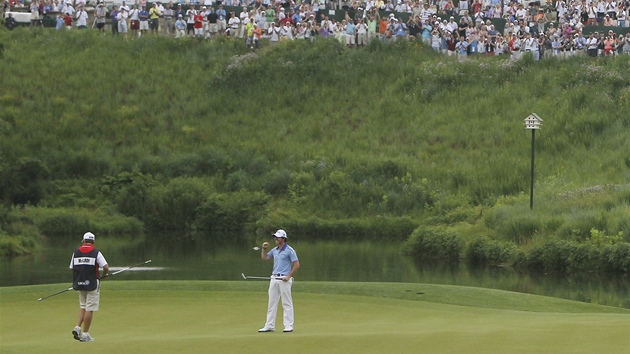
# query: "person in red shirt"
198,26
476,7
67,19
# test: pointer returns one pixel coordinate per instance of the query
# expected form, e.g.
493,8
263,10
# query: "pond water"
187,258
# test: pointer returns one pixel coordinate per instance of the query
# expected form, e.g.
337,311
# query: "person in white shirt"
287,31
244,17
81,18
234,24
274,34
124,6
68,9
361,33
123,28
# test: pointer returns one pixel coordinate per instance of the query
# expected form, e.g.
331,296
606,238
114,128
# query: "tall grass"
323,132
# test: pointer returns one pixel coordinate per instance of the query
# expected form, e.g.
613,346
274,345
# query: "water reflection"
191,258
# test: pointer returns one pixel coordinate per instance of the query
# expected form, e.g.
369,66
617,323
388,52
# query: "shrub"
277,182
64,223
484,251
434,243
230,212
616,258
174,206
561,256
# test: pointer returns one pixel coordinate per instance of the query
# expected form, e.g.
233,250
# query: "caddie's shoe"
287,330
85,337
265,329
76,333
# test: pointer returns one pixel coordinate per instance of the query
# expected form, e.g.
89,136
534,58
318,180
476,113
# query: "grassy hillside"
207,137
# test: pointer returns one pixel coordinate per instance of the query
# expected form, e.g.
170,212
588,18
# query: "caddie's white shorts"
89,300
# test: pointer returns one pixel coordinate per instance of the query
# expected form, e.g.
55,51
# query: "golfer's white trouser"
279,289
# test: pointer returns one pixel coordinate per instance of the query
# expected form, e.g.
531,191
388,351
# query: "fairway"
223,317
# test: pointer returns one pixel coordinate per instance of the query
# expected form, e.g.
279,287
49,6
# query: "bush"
616,258
484,251
174,206
64,223
277,182
230,212
560,256
435,243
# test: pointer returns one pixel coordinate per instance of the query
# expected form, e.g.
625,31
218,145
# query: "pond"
187,258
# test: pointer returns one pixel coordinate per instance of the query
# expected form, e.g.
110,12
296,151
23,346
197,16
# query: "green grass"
222,317
313,136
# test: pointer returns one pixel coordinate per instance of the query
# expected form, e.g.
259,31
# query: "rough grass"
222,317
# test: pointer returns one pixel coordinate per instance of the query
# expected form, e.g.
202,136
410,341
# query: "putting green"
223,317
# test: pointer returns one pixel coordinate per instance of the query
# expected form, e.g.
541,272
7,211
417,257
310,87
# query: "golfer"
85,264
285,264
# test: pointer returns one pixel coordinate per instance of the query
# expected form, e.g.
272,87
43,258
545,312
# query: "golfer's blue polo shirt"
282,259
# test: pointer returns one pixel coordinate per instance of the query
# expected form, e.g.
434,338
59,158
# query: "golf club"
261,278
103,277
124,269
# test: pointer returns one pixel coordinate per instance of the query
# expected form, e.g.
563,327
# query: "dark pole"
531,187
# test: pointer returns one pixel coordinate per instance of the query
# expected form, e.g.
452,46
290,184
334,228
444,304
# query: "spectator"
591,45
114,19
143,16
154,18
67,19
198,24
428,35
244,20
190,20
213,23
234,24
414,27
435,40
100,14
9,22
609,21
81,17
134,20
451,43
383,23
400,29
372,24
180,27
621,17
68,9
274,34
59,22
591,11
609,45
362,33
351,31
626,44
601,11
221,19
168,14
122,22
462,48
34,8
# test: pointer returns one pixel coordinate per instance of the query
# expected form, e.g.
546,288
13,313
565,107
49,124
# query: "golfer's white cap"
88,236
280,233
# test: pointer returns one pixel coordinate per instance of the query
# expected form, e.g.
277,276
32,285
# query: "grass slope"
222,317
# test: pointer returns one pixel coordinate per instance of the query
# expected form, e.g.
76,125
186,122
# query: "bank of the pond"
182,316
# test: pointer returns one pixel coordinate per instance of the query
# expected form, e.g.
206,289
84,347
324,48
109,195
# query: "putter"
261,278
103,277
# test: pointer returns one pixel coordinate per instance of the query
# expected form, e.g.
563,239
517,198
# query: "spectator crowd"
451,27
